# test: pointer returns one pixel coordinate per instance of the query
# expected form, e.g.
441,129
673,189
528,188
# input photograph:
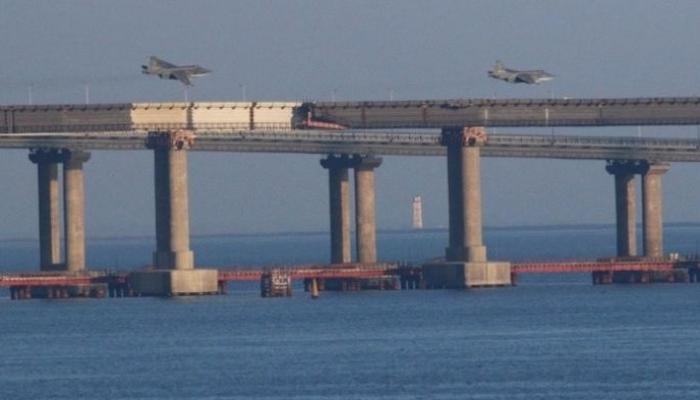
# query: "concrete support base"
164,282
462,275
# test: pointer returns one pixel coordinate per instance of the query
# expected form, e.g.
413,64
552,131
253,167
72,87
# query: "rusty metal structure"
277,281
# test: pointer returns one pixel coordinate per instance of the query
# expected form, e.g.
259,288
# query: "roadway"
378,142
509,112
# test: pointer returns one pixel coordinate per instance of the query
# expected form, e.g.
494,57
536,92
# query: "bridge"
437,114
351,136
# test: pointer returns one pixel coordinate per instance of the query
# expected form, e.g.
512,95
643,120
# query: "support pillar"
173,260
49,213
625,205
365,222
464,191
465,263
74,208
172,204
339,202
652,195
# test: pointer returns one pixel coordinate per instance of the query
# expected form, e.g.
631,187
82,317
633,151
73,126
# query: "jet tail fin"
498,66
153,62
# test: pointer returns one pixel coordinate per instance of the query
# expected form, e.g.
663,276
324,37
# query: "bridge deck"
282,127
510,112
359,114
413,143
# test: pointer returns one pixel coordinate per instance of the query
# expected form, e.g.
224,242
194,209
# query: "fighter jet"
499,71
165,70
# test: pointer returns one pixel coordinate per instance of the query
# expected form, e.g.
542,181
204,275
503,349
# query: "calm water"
552,337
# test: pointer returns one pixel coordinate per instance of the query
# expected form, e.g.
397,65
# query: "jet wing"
183,77
197,70
161,63
525,77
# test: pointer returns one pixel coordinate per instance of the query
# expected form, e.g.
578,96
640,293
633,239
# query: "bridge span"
351,136
350,115
380,142
509,112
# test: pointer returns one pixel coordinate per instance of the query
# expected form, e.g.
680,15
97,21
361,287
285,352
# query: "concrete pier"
74,208
652,195
49,213
172,210
466,261
365,222
464,192
625,205
173,259
339,202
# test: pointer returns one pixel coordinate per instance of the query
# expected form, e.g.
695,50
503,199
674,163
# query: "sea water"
551,337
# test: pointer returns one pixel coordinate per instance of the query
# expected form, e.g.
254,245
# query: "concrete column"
471,195
171,200
625,205
174,261
174,272
179,210
339,202
455,209
466,262
49,217
74,208
464,190
365,223
162,200
652,195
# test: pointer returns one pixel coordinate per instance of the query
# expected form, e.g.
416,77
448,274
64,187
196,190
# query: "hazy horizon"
406,230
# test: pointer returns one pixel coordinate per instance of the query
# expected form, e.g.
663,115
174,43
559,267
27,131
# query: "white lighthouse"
417,213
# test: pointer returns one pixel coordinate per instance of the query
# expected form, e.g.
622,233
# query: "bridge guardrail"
419,142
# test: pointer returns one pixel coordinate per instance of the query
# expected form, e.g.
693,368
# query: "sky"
347,50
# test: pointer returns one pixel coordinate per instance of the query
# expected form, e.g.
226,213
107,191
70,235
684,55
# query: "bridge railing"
272,133
148,127
598,141
410,142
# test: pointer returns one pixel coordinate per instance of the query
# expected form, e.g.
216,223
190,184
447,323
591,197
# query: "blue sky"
306,50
